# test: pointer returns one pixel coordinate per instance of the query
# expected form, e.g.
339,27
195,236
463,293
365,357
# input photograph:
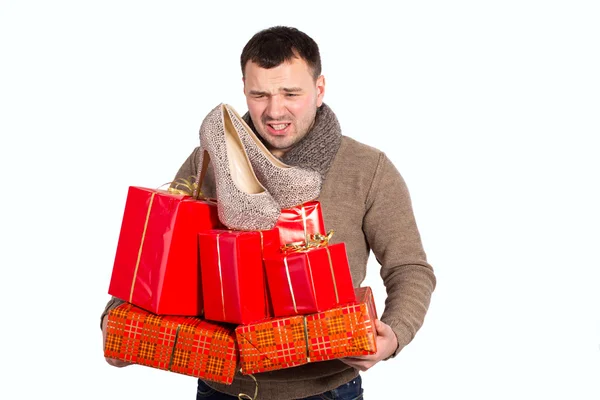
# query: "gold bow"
185,186
315,240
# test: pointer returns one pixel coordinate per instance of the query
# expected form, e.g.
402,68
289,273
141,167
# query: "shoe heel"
203,163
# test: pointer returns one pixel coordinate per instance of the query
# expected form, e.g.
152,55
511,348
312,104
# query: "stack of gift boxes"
206,301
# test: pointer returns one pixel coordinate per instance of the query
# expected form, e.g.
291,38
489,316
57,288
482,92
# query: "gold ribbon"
306,338
220,274
139,257
174,347
186,187
262,253
337,298
182,186
313,241
312,281
303,213
287,272
244,396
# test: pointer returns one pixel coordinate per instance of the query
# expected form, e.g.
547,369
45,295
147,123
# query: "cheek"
301,107
255,110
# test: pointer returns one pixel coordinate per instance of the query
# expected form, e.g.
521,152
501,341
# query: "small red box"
185,345
285,342
233,277
309,281
297,224
156,264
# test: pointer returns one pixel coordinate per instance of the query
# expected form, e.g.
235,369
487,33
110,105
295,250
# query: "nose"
276,108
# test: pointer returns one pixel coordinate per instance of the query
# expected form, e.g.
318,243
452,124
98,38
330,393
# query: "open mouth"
278,129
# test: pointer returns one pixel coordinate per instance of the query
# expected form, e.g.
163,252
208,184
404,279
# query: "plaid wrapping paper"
185,345
274,344
286,342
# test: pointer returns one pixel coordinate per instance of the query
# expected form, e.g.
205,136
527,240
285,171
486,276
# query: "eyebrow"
264,93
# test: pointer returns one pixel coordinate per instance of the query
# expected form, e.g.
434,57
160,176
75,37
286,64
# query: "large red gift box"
233,277
156,264
297,224
279,343
308,281
185,345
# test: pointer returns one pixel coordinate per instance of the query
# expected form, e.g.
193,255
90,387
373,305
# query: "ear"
320,85
244,85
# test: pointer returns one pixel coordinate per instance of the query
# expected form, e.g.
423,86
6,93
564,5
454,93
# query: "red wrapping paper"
156,263
297,223
309,281
285,342
233,278
185,345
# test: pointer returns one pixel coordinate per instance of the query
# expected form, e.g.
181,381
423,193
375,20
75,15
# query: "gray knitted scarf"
318,148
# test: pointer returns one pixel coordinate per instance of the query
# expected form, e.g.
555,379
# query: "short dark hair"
273,46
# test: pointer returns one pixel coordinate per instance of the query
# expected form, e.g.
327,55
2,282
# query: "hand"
387,343
112,361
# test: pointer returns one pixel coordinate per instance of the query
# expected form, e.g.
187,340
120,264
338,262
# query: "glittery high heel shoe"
288,185
242,202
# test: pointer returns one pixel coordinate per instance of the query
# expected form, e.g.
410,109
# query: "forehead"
294,73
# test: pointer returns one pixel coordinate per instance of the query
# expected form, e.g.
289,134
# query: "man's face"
282,102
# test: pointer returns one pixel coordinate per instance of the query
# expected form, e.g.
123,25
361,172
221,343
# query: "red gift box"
156,264
297,224
344,331
186,345
233,278
309,281
279,343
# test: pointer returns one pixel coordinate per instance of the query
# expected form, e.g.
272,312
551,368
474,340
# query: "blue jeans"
348,391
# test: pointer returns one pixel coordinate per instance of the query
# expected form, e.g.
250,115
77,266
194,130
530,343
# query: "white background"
488,109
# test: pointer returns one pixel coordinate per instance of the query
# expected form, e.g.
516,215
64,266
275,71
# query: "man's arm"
189,168
391,230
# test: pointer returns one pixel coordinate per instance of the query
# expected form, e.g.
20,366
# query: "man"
363,197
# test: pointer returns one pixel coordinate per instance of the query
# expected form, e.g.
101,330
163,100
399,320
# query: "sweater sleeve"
391,230
188,169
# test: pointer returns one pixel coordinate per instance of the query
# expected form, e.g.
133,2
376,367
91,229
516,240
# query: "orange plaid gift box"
290,341
186,345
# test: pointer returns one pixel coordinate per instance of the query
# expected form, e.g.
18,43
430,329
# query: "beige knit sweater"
366,202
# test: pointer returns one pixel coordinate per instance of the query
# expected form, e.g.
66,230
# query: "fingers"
382,328
117,363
